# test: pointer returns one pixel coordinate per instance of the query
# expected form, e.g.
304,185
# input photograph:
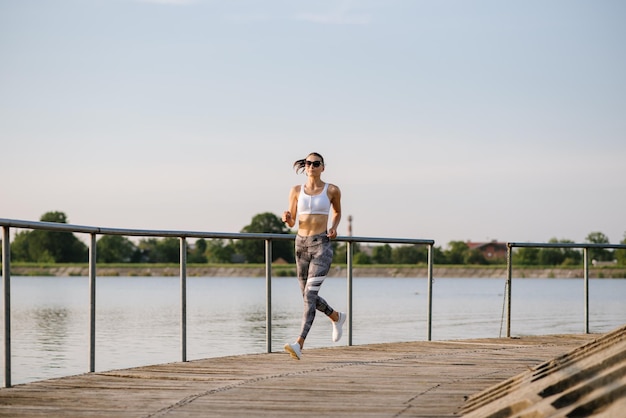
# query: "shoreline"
338,271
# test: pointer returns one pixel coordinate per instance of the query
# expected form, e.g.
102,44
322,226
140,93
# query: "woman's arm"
289,216
335,202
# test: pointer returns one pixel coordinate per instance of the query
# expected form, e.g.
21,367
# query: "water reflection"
48,340
51,328
254,321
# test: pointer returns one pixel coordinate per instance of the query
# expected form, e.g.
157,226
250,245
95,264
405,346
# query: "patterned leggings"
313,257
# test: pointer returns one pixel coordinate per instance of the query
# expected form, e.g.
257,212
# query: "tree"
21,251
526,256
599,254
219,251
254,249
197,254
49,246
551,256
116,249
166,250
439,256
620,255
571,256
381,254
457,252
340,252
475,256
362,258
411,254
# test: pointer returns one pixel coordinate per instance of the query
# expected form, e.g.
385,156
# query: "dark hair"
300,165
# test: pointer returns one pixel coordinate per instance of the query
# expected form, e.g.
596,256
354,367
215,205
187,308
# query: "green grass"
291,266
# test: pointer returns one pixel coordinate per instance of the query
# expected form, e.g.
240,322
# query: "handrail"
7,224
584,246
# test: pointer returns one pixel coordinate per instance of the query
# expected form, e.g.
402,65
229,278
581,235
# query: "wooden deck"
416,379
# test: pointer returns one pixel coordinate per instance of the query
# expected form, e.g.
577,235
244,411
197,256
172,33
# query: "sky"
446,120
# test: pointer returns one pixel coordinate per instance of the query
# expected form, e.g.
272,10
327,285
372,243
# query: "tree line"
64,247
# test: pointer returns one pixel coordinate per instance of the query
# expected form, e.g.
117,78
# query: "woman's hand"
287,218
332,233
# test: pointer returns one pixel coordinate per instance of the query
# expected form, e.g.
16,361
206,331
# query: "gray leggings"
313,257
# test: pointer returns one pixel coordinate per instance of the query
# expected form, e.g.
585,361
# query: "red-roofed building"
492,250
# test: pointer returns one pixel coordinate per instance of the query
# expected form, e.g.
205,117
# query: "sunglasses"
313,163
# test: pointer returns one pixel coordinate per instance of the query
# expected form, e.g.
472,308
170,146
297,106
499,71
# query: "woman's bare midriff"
312,225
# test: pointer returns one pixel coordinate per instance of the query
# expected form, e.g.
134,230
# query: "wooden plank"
400,379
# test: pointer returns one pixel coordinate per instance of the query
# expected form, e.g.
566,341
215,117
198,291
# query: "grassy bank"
288,270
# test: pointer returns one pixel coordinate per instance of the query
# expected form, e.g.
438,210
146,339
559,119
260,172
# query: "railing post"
509,275
92,303
430,292
183,299
268,294
586,284
6,291
349,254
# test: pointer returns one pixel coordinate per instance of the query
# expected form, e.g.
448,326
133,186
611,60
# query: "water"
138,318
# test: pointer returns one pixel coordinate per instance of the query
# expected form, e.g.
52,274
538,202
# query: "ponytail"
299,165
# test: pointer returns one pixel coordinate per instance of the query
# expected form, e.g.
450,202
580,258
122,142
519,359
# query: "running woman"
312,203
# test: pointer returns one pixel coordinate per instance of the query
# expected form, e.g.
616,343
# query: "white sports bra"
318,204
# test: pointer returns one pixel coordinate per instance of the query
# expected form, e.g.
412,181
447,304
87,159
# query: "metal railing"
585,247
7,224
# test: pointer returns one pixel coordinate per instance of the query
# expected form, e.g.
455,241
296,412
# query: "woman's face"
314,164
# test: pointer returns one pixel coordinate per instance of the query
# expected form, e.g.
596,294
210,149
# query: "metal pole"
183,299
268,294
586,284
509,274
92,303
430,293
349,254
6,290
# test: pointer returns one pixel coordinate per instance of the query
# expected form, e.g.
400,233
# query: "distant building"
491,250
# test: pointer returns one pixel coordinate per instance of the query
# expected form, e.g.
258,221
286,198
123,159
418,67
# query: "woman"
311,203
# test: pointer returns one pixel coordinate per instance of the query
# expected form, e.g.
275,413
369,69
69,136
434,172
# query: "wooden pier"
412,379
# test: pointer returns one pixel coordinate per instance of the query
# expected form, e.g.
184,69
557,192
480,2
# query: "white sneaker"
294,350
338,327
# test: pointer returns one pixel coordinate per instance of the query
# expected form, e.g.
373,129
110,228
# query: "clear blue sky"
445,120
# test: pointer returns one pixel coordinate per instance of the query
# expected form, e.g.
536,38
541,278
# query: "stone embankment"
338,271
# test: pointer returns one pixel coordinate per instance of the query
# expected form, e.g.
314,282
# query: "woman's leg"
320,256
